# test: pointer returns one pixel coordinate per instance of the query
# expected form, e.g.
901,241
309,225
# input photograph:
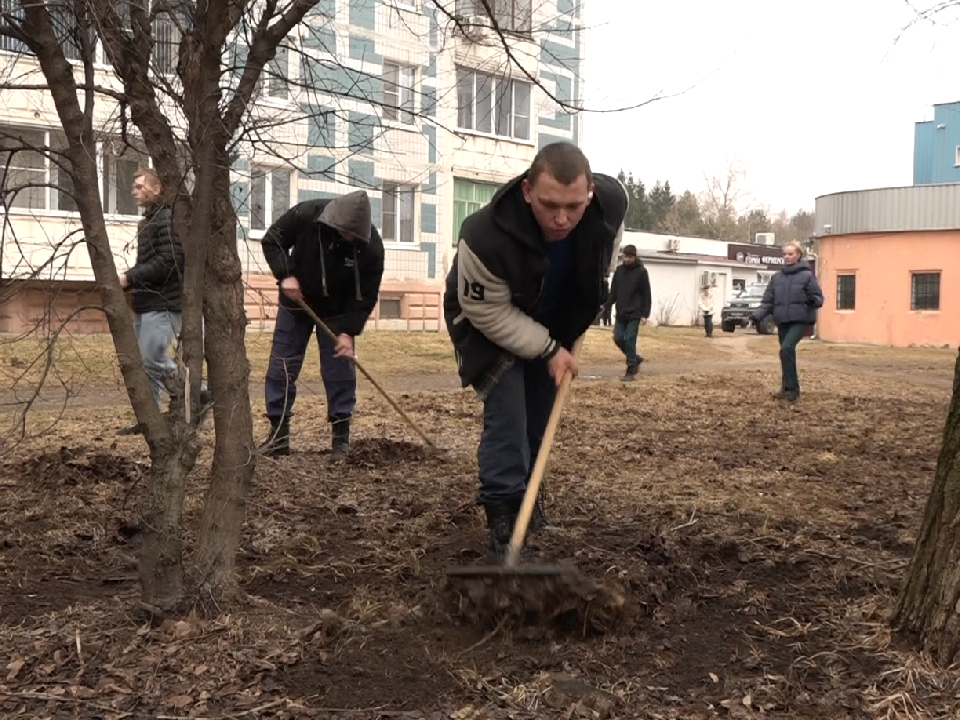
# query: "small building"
936,146
886,260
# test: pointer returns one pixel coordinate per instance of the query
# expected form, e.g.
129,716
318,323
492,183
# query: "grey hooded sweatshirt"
340,279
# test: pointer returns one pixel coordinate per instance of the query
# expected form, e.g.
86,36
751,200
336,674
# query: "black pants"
708,324
515,416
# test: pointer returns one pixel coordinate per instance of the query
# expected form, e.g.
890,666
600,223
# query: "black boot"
277,443
631,373
500,520
340,445
539,519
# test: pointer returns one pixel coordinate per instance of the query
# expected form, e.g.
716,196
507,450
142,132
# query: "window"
277,72
925,291
510,15
269,195
494,105
31,177
957,162
468,197
846,292
398,84
390,308
118,167
167,34
397,220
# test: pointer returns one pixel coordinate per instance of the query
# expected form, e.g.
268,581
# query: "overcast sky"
815,96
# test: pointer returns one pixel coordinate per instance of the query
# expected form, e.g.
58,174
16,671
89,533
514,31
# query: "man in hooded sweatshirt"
526,282
630,292
328,254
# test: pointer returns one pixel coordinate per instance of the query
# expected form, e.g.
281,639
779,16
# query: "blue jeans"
708,324
790,335
625,337
155,332
515,416
291,336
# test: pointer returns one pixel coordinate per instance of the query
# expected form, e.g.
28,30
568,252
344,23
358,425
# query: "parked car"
737,312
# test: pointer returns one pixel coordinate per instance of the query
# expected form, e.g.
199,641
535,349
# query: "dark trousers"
605,316
790,335
515,416
291,336
625,337
708,324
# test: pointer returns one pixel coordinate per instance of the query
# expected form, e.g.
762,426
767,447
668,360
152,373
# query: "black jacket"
340,280
156,280
792,295
630,291
495,285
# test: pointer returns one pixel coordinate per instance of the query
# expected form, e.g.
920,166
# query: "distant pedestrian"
793,297
605,310
706,309
630,292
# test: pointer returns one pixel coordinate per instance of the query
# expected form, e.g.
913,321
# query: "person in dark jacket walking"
630,292
793,297
155,281
526,282
329,254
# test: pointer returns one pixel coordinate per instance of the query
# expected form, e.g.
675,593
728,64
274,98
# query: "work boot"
340,445
631,374
539,519
277,443
500,520
136,429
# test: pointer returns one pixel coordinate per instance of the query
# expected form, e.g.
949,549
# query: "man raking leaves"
525,285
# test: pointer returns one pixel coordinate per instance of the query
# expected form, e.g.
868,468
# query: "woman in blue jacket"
793,297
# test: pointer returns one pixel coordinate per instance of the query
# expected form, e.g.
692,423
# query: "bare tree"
724,199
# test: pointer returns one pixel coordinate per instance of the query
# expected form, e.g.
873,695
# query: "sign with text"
769,256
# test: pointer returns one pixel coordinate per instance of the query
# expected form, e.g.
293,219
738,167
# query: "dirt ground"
759,546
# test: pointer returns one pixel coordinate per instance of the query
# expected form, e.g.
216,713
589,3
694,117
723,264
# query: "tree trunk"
161,511
929,604
234,457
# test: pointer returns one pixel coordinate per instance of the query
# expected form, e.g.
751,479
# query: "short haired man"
329,254
630,292
156,282
525,284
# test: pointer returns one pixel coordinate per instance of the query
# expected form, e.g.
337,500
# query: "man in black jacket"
630,292
329,254
155,282
525,284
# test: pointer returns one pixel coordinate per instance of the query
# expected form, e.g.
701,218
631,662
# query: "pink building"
889,264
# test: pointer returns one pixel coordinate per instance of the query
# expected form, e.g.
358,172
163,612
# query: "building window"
118,166
390,308
270,191
398,84
468,197
925,291
31,177
510,15
493,105
277,72
846,292
166,43
397,220
957,162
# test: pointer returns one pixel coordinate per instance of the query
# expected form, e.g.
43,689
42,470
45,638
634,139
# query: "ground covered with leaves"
759,547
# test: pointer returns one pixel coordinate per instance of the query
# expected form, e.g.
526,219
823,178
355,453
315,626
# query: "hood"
799,266
349,213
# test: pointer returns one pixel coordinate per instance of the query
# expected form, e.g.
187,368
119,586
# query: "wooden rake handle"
536,477
386,396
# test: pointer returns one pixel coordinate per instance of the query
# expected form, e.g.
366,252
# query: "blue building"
936,147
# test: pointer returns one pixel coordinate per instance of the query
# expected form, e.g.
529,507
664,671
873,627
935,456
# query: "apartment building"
427,104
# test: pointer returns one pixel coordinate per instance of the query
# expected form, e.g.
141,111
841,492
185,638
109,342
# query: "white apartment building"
415,101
